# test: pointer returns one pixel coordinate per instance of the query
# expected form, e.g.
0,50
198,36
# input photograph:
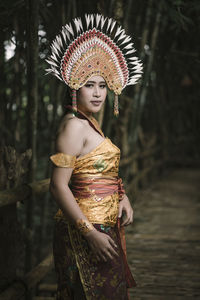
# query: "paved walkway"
163,243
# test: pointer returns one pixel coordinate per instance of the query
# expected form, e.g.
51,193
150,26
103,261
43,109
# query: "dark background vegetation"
161,111
164,104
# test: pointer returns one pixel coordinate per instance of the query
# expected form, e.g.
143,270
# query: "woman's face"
92,95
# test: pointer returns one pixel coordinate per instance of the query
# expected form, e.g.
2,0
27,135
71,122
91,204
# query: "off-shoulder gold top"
99,168
95,182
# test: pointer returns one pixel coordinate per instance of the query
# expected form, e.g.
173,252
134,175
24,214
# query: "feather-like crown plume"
95,45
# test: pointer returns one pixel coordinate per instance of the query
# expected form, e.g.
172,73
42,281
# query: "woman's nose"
97,91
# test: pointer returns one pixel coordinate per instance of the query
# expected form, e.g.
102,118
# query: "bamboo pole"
32,14
32,77
140,96
17,80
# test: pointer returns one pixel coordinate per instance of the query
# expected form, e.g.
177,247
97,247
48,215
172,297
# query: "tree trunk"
119,10
17,80
126,16
136,103
32,80
2,92
140,98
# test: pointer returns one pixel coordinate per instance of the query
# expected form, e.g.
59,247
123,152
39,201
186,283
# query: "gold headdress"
95,45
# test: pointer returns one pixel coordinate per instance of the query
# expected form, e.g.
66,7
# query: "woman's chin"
96,109
90,108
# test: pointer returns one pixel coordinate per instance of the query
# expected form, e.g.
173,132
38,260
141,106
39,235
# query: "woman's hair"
68,97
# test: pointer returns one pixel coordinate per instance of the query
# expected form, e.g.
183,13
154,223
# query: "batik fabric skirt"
80,275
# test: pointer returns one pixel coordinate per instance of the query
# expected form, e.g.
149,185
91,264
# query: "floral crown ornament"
94,45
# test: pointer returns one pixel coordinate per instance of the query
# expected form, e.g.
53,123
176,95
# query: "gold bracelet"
84,226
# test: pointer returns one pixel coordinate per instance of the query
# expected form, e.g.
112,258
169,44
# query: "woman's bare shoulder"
70,135
70,122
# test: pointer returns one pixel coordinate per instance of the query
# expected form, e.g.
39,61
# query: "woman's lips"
96,102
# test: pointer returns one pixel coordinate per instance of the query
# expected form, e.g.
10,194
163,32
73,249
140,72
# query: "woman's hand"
125,206
102,245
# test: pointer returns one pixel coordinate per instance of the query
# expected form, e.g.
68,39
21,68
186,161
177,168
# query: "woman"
89,248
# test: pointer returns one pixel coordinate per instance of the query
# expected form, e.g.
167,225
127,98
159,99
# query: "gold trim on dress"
63,160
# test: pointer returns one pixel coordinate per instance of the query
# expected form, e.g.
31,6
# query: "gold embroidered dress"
96,188
92,171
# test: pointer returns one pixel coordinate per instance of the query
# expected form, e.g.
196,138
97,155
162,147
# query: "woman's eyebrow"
90,81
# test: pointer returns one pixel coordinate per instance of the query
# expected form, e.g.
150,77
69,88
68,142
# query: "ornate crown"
95,45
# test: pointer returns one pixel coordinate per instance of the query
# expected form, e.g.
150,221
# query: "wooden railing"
154,155
20,287
23,192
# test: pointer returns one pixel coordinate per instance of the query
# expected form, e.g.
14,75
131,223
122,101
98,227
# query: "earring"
116,106
74,103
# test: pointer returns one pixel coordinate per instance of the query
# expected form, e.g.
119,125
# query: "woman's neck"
86,113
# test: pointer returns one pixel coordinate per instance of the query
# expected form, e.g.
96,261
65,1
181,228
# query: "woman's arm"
70,141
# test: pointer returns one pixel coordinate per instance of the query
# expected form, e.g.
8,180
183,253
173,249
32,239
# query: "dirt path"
163,243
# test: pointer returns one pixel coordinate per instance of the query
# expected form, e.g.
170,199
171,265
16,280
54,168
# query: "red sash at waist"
85,187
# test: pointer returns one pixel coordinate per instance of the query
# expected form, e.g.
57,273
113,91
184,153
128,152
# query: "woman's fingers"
98,258
125,207
132,217
109,255
114,253
109,252
104,246
120,212
112,247
112,242
103,257
128,219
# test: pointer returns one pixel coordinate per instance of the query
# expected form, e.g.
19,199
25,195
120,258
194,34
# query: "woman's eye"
89,85
102,86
